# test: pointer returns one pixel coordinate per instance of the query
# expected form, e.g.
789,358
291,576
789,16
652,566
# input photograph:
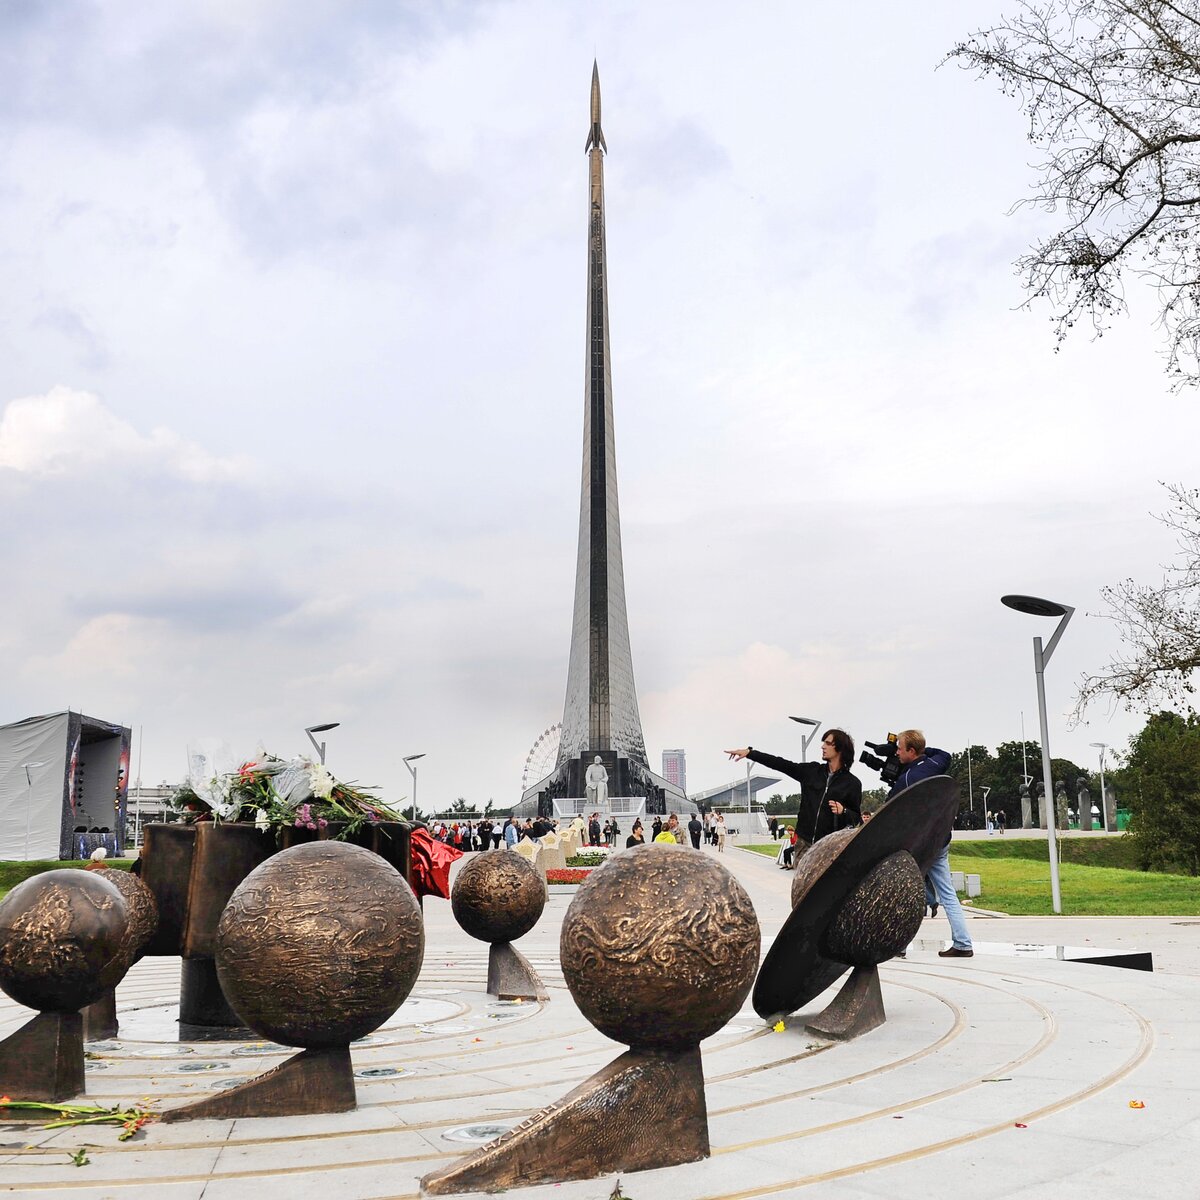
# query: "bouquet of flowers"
274,792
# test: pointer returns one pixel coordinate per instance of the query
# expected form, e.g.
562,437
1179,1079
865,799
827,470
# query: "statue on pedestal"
1026,807
1085,803
1041,803
1060,804
597,784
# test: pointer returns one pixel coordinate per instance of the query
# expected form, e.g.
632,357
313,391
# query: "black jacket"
817,788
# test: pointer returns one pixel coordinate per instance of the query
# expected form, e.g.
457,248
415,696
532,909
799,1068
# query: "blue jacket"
932,762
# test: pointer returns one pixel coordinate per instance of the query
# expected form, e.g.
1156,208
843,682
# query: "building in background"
674,768
64,781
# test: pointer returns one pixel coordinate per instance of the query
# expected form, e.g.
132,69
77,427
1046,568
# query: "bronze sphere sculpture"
498,896
659,947
320,944
141,912
59,931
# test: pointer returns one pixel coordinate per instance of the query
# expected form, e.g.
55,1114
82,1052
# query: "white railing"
618,806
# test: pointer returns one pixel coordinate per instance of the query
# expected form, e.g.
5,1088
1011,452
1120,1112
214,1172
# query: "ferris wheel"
542,756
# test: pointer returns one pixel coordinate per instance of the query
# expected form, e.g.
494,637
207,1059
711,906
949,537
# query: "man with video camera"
830,796
917,762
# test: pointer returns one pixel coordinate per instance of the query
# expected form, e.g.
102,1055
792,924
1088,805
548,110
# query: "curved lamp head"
322,728
804,721
1035,606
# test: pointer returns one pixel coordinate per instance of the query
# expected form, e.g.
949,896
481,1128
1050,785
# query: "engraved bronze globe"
659,947
58,933
498,896
141,913
319,945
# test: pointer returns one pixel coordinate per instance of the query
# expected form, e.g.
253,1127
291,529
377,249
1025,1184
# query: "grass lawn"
1098,877
1020,886
12,873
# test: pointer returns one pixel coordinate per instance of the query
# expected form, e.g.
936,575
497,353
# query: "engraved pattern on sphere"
498,896
141,912
814,861
881,916
58,931
320,945
659,947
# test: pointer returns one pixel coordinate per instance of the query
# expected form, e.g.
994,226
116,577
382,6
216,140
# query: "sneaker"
933,909
955,952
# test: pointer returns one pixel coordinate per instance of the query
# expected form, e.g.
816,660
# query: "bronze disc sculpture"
58,933
659,948
498,897
100,1017
317,947
857,900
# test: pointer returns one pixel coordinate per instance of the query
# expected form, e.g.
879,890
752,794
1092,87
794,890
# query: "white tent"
62,786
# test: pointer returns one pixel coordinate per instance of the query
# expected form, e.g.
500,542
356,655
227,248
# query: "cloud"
69,432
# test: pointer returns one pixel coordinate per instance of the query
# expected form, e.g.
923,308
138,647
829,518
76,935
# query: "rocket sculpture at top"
601,711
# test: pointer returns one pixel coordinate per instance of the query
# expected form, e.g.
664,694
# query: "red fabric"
431,862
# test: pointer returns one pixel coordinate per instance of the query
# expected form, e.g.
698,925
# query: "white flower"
261,821
321,782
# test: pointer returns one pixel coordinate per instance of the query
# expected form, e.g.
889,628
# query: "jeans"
939,880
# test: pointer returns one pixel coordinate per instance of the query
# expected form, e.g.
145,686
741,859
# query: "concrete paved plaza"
993,1076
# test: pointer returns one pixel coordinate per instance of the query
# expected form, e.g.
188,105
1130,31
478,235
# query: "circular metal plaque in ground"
476,1133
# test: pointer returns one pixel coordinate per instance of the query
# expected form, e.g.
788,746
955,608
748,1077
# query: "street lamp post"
320,746
1045,608
805,738
1102,746
408,762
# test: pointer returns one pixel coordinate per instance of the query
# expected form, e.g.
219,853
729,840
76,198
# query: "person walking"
719,827
695,829
637,836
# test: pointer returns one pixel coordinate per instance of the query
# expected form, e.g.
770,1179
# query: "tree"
873,799
1159,627
1161,783
1110,89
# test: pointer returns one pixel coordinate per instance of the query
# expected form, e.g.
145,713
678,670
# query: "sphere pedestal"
588,1131
43,1060
313,1081
100,1018
510,976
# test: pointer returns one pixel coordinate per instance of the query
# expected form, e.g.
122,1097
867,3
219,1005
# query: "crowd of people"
830,800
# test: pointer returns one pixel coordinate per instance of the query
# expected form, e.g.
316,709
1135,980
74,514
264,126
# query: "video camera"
888,764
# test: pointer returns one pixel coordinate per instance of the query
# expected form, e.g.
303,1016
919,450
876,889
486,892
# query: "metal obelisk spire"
601,711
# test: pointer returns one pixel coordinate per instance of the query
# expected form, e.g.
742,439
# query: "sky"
291,383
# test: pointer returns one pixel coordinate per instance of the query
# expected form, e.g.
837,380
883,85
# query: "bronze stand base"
510,977
43,1060
855,1010
645,1109
100,1018
201,1000
313,1081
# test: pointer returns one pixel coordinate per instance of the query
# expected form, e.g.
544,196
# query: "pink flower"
311,825
321,823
